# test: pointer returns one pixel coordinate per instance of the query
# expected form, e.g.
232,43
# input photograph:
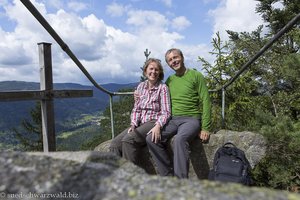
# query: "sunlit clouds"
110,39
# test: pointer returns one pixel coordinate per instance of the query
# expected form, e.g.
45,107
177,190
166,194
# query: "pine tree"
265,98
31,137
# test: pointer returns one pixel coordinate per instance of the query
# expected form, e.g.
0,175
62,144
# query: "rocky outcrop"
99,175
202,154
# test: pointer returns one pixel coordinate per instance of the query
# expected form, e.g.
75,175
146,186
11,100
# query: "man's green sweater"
190,97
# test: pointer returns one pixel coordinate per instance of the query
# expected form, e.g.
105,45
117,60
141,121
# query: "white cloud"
109,54
191,54
19,48
77,6
278,5
180,23
116,10
12,51
146,18
235,15
83,35
54,3
94,25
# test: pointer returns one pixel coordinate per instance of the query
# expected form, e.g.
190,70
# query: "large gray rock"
202,154
99,175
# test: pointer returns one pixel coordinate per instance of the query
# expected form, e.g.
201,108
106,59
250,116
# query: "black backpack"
231,165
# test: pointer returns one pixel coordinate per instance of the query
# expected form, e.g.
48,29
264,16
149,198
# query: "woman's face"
152,72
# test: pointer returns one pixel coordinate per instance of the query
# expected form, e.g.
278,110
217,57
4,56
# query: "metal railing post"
111,116
223,108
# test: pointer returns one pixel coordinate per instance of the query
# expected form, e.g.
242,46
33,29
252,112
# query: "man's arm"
206,104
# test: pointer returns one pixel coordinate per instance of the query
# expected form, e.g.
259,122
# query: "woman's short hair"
160,67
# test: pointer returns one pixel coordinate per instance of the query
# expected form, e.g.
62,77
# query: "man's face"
174,60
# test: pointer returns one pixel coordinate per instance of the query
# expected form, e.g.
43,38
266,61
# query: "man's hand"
204,135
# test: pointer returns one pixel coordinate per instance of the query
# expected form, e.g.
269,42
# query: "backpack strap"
229,144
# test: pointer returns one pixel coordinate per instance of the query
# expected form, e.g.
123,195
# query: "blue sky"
110,37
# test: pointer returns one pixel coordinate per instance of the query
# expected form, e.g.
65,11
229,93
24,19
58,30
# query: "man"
191,116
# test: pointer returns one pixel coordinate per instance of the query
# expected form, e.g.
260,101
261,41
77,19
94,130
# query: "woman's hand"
132,128
156,136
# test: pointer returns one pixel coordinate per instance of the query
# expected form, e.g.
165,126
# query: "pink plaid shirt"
153,104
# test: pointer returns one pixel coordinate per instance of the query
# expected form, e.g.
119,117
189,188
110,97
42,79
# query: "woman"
150,113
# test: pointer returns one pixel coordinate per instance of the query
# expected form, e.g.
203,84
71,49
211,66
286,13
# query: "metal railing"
223,88
65,48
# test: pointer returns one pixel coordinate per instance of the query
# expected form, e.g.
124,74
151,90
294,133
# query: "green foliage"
78,139
266,97
239,104
9,141
147,54
289,98
30,137
277,17
281,166
122,107
281,77
91,143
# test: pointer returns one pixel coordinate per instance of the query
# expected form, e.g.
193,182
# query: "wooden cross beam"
46,94
43,95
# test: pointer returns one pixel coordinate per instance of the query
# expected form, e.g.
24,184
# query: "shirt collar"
154,88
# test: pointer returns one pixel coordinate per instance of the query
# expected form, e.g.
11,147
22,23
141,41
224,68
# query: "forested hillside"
77,120
12,113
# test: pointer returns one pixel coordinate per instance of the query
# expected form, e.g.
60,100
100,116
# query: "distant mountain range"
12,113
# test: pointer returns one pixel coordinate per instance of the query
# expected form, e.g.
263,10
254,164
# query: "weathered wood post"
47,107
